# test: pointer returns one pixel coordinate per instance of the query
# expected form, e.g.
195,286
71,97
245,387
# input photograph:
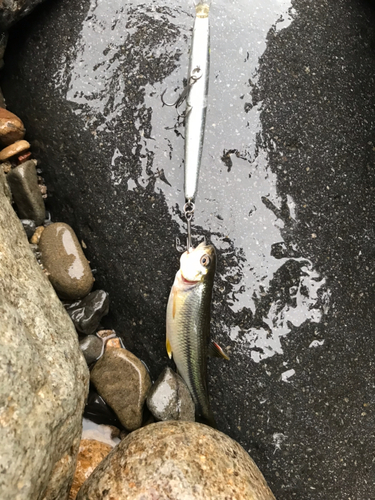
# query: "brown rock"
177,461
91,453
14,149
123,382
11,128
37,234
65,262
23,183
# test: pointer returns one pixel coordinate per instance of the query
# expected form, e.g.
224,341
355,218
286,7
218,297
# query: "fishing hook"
189,208
183,94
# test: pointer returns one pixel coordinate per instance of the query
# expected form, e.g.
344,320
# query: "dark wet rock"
44,378
91,347
87,313
90,454
29,227
14,10
123,382
170,399
23,183
63,258
286,159
11,128
177,460
98,411
14,149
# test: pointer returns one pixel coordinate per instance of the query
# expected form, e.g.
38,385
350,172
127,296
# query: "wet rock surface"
91,347
63,258
13,10
90,454
87,313
178,461
44,378
11,128
23,183
123,382
98,411
286,196
170,399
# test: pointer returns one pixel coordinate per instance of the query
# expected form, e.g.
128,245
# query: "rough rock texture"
43,373
11,128
87,313
177,461
123,382
170,399
12,11
286,194
23,182
63,258
90,454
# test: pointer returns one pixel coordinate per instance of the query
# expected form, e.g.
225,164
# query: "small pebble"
98,411
11,128
91,347
23,183
170,399
123,382
29,227
36,236
87,312
63,258
14,149
90,454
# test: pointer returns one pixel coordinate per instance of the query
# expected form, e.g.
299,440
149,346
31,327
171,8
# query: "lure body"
196,102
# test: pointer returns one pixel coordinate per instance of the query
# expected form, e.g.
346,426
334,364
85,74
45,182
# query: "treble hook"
181,98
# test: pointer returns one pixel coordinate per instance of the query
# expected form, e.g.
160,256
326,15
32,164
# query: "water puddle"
265,285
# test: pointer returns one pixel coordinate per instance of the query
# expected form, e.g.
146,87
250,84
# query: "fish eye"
205,260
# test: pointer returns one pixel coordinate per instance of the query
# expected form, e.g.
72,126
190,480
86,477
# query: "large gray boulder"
44,378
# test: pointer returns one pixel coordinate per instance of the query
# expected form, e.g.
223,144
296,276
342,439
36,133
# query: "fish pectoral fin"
169,348
216,351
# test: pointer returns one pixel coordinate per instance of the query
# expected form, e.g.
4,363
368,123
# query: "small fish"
188,324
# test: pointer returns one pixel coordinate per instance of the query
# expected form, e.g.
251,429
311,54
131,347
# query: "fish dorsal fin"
216,351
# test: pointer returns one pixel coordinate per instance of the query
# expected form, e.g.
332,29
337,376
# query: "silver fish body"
196,102
188,323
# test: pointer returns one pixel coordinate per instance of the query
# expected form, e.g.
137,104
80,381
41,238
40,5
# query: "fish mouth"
188,282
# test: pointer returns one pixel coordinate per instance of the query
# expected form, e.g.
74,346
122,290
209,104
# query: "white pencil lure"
195,93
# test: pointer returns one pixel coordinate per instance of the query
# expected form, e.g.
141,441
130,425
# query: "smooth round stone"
90,454
23,182
177,461
29,227
91,347
87,312
170,399
65,262
16,148
11,128
123,382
